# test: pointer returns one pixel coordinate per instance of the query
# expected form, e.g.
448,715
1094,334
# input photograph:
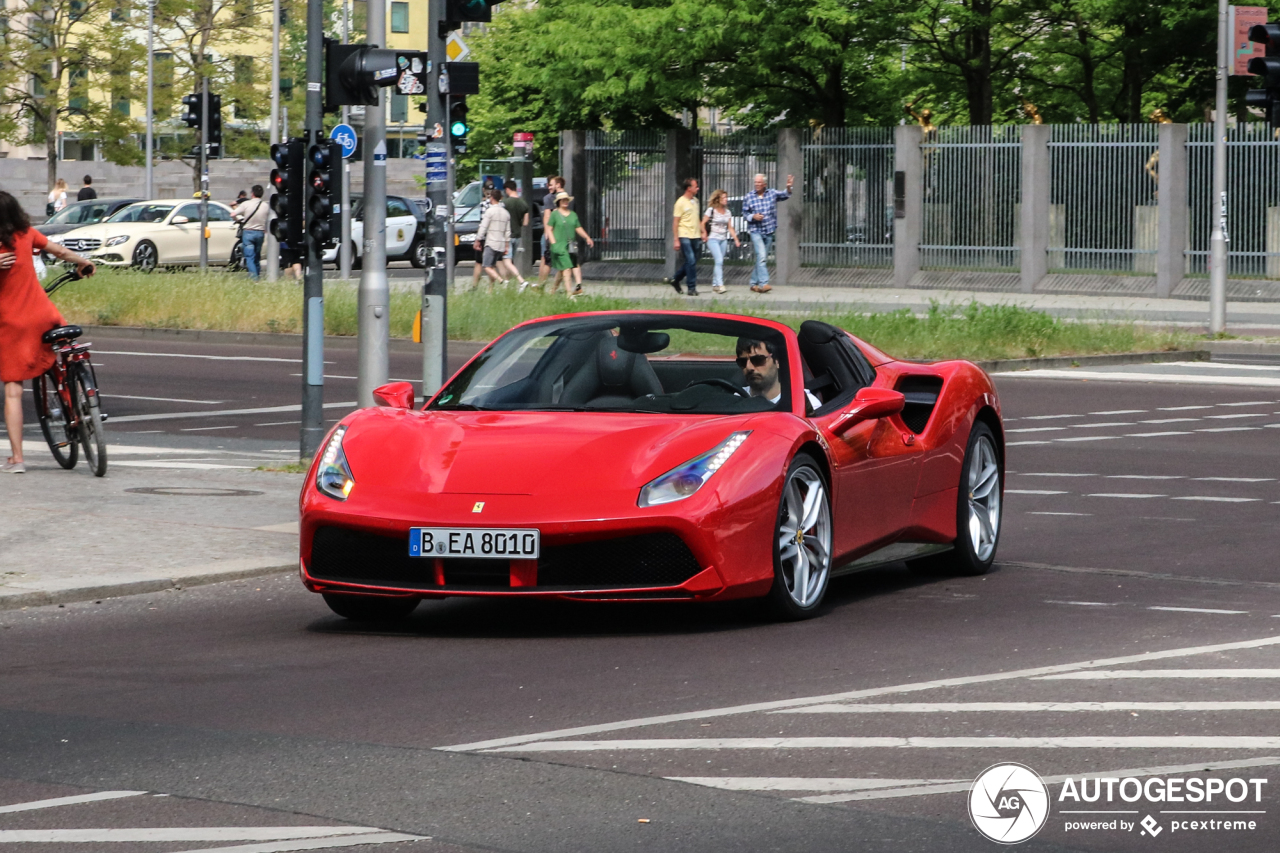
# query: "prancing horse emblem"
479,507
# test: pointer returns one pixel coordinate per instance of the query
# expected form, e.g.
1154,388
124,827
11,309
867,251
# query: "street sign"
455,48
1242,18
345,135
523,143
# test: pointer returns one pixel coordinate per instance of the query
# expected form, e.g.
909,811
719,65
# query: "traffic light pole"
1219,237
204,173
374,322
435,288
312,432
344,238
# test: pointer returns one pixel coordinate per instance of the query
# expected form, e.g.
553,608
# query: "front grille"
648,560
651,559
82,245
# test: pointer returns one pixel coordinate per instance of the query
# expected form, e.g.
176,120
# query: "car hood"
100,231
524,453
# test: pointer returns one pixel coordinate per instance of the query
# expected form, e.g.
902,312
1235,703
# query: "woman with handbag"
717,231
57,198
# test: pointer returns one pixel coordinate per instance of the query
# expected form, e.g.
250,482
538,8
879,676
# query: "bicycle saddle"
62,333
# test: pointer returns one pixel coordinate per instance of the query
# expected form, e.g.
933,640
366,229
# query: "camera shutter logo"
1008,803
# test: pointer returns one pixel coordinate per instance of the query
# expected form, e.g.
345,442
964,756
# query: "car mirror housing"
869,404
396,395
179,220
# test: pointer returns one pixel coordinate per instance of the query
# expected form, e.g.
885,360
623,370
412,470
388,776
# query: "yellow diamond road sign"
455,48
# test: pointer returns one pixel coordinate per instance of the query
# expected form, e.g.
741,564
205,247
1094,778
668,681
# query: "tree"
57,55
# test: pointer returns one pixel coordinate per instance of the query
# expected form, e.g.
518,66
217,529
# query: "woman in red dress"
25,314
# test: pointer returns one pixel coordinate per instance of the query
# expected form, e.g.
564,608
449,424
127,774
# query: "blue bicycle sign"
345,134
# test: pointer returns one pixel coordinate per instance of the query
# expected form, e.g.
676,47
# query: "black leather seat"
62,333
614,377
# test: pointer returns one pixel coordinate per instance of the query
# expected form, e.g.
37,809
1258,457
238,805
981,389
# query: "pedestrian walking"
717,231
253,217
25,315
241,198
760,209
87,192
493,238
519,210
57,198
563,230
686,236
555,186
486,199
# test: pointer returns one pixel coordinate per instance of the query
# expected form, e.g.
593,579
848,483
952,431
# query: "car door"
401,227
179,240
222,232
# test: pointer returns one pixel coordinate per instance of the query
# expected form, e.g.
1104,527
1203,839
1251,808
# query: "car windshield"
661,363
142,213
69,215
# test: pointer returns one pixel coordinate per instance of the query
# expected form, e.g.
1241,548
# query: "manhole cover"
193,492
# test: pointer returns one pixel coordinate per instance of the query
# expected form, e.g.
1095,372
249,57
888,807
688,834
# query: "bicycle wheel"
84,393
55,421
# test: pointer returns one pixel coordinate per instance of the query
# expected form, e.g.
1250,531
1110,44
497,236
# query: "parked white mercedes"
152,234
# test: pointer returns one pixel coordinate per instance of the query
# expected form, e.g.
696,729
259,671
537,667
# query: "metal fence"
972,186
848,198
629,170
730,162
1253,199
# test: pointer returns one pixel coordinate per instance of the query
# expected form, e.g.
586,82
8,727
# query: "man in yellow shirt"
686,236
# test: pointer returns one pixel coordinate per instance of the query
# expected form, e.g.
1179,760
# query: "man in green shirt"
686,236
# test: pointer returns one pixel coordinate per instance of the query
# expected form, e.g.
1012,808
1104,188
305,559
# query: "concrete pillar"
908,202
1034,213
1171,201
786,245
680,165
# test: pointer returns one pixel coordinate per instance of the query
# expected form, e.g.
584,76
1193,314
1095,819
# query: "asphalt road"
1140,518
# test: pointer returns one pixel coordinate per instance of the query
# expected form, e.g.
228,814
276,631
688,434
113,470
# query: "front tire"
84,394
419,253
801,542
55,421
979,506
145,257
370,608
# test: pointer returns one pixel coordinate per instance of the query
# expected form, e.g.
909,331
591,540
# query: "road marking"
1216,500
1022,707
1023,443
169,834
1037,429
1165,378
1049,417
1240,415
1089,514
991,742
1083,603
1089,438
1104,424
1181,408
1236,479
1229,429
224,412
1109,674
1153,434
1144,477
1053,474
784,783
1122,495
181,466
1121,412
1169,421
68,801
314,844
1198,610
958,681
1252,402
209,357
1032,492
110,397
205,429
1049,780
280,423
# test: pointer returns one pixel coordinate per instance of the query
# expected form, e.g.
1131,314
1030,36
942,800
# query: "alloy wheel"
804,536
984,498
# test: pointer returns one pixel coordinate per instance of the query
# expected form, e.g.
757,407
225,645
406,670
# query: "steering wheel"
719,383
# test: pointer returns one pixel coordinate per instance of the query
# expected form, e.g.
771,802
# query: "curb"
41,598
213,336
1009,365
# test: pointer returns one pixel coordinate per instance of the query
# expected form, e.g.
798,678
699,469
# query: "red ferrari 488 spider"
660,456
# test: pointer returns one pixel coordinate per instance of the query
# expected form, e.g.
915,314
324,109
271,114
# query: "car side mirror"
397,395
179,220
869,404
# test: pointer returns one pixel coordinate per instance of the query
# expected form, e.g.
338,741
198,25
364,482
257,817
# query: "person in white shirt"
758,361
493,237
58,196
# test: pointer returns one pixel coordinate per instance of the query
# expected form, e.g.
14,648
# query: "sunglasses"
756,360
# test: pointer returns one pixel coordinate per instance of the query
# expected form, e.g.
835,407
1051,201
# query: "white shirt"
813,401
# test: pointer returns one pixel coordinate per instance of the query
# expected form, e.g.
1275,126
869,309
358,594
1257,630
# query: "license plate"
482,543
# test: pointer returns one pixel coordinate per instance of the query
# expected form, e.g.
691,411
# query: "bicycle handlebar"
71,275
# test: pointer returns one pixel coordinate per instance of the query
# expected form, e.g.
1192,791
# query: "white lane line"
1181,408
199,833
1083,603
1049,417
110,397
1110,674
1198,610
1032,492
1089,438
1217,500
1169,421
1239,415
68,801
1049,780
206,429
313,844
1022,443
1122,495
181,466
958,681
1121,412
1253,402
796,783
993,742
340,376
1088,514
1160,378
1236,479
1105,424
1037,429
1229,429
1022,707
1144,477
1153,434
1052,474
208,357
225,412
279,423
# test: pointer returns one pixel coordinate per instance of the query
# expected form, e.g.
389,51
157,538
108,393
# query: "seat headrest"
817,332
613,364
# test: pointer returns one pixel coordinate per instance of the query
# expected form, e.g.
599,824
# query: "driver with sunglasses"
758,361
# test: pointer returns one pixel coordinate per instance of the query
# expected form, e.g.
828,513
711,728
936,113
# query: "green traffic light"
459,128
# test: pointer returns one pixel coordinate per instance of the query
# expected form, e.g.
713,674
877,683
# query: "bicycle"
66,397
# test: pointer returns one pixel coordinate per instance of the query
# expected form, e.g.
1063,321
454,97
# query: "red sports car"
658,456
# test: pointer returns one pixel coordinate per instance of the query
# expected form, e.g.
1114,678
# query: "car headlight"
116,241
681,482
334,474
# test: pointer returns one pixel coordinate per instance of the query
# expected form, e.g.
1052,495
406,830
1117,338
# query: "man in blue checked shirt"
760,209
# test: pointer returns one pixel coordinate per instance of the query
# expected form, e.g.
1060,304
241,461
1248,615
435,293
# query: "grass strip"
221,301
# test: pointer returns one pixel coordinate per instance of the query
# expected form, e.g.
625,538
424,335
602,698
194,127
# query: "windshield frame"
513,343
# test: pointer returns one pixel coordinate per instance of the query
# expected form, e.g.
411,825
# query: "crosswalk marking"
176,834
1107,674
1200,610
872,742
1022,707
68,801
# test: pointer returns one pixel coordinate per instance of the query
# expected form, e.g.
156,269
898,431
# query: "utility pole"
435,288
312,432
273,245
151,77
204,173
374,324
344,238
1219,237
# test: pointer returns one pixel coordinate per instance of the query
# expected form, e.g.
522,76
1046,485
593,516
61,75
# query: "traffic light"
458,125
215,125
353,73
192,114
456,12
289,202
1267,68
325,205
